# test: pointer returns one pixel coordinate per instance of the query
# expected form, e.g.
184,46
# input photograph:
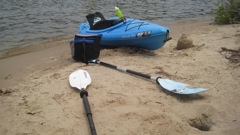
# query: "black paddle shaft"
84,95
124,70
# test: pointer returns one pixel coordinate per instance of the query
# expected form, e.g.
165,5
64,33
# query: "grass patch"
227,12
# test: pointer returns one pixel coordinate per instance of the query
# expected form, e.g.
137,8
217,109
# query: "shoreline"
52,42
32,47
37,99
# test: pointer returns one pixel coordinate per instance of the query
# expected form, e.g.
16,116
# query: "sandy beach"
36,98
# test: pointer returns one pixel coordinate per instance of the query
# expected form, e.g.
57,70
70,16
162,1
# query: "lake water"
23,22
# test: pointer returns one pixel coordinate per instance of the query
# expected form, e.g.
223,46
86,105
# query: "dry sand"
36,99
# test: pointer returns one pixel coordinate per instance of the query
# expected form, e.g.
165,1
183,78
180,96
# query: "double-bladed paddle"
169,85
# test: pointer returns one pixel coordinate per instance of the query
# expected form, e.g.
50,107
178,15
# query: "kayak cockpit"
98,22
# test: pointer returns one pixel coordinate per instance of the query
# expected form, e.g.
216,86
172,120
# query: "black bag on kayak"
85,47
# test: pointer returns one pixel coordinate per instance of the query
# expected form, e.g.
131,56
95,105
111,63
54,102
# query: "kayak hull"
132,33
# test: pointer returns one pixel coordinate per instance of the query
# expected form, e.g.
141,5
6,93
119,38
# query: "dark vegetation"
227,12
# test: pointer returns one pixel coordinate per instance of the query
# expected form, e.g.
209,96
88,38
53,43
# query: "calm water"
23,22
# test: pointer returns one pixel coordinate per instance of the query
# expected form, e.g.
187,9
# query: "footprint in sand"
203,122
56,76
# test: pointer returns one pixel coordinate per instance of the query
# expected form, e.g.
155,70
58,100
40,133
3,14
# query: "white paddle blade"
178,88
79,79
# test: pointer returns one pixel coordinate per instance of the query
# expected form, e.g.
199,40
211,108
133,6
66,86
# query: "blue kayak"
128,32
